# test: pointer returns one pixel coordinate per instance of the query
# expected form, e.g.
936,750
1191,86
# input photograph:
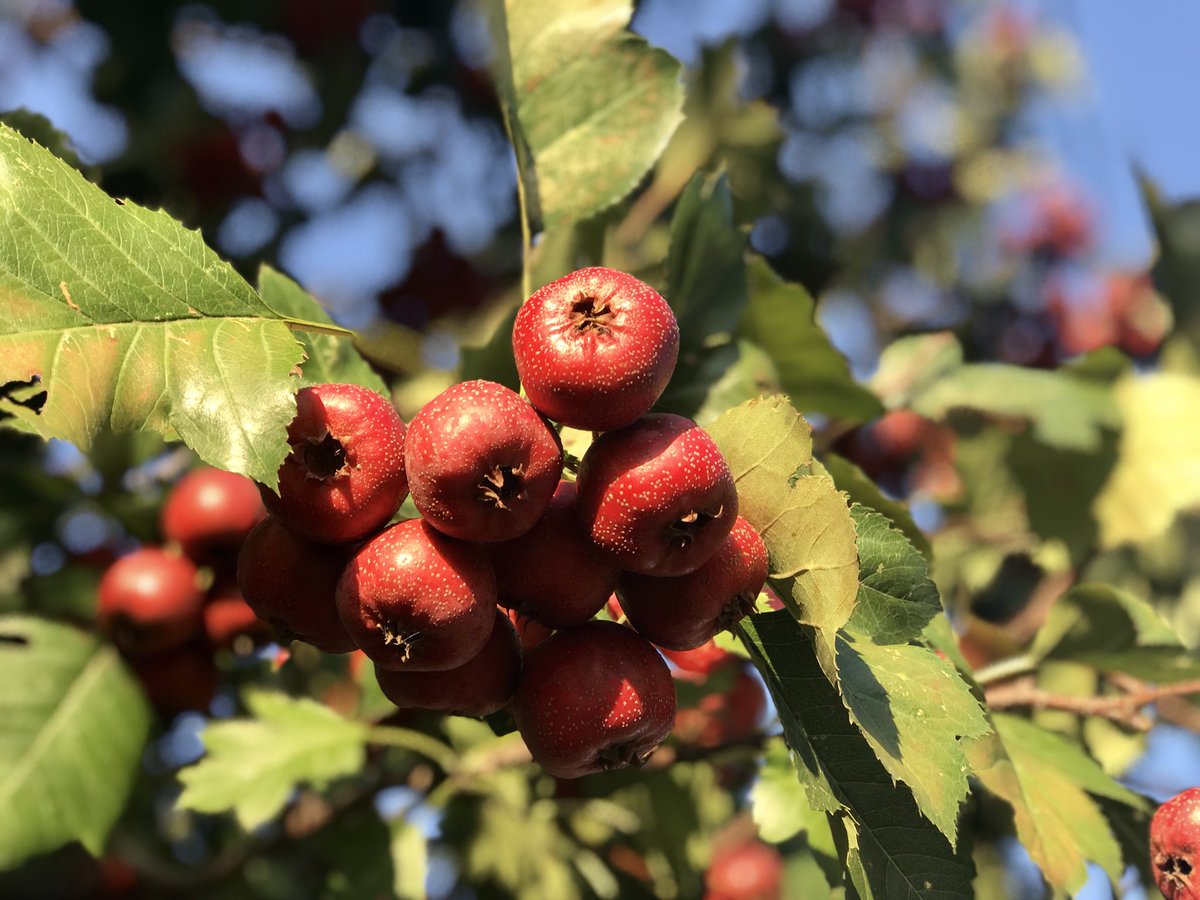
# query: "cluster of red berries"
169,607
1175,846
503,540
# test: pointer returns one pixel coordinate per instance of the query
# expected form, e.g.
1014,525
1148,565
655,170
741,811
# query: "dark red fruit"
553,573
210,512
592,698
289,582
183,679
345,475
150,601
746,871
482,464
702,660
657,496
479,687
417,600
595,349
683,612
530,632
1175,846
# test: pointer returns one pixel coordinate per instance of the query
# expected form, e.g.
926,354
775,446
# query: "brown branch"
1121,708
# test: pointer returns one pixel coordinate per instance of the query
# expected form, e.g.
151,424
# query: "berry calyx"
683,612
595,349
417,600
657,496
592,698
344,477
1175,846
479,687
482,464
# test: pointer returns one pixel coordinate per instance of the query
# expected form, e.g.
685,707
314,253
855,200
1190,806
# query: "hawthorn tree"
934,694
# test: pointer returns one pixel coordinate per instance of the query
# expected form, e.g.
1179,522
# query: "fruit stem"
417,742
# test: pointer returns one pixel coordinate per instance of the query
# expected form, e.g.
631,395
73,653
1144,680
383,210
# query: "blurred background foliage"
1021,325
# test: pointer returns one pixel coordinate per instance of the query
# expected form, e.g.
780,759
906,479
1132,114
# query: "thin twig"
1122,708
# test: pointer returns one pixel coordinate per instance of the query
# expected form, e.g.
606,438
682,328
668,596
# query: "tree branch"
1121,708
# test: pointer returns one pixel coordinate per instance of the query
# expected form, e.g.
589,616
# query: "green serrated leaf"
1045,779
715,380
804,520
780,319
896,598
706,273
572,79
779,804
251,766
410,860
851,480
332,359
917,714
75,722
896,852
127,321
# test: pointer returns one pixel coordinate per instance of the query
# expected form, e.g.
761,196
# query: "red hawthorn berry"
150,601
683,612
553,573
210,512
723,717
344,477
657,496
227,616
595,349
414,599
479,687
593,697
751,870
289,582
182,679
482,464
1175,846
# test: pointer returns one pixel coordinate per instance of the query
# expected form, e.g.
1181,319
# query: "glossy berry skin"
554,574
683,612
1175,846
417,600
592,698
344,477
210,512
479,687
289,582
657,496
482,464
751,870
150,601
595,349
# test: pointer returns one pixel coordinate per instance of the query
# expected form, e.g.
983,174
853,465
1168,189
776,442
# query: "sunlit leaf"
75,722
590,106
251,766
126,320
779,805
780,319
1046,780
803,519
897,853
917,714
410,860
1157,474
852,481
896,598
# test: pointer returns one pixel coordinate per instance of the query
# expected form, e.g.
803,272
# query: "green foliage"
74,725
252,766
589,106
896,599
894,851
128,321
